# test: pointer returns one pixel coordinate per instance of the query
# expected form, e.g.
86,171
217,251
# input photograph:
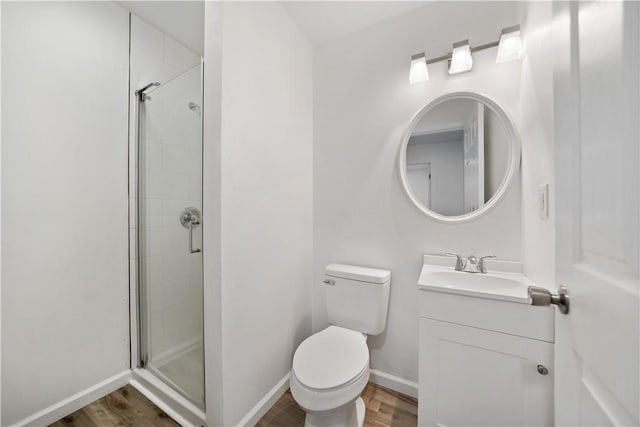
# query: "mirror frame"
513,155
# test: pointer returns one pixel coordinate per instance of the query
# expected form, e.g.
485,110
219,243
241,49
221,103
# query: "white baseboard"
164,397
263,406
170,401
176,406
394,383
389,381
78,401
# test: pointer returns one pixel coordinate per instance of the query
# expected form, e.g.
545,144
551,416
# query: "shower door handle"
193,223
190,218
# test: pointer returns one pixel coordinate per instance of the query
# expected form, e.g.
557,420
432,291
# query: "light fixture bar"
510,47
511,29
485,46
438,59
473,49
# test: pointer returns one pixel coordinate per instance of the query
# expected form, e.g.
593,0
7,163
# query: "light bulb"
511,46
461,59
418,72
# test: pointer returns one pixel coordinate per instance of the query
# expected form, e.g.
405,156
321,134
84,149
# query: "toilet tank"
357,297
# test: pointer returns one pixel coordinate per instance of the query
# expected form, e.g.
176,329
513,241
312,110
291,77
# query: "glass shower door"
169,202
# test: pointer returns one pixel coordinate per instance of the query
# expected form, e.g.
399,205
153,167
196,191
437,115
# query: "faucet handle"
460,265
481,267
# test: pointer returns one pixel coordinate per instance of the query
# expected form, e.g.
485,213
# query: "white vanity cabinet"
485,360
475,377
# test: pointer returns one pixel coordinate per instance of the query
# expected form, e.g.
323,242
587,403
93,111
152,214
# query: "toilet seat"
330,369
331,358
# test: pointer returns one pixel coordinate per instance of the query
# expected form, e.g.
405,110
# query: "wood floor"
384,408
125,407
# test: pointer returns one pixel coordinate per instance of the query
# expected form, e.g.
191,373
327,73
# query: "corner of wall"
266,190
212,233
536,111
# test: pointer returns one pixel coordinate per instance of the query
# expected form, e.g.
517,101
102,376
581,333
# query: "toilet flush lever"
329,282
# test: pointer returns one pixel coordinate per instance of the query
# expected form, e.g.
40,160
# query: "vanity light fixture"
510,46
418,72
461,59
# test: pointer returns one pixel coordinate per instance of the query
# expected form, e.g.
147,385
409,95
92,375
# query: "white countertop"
504,280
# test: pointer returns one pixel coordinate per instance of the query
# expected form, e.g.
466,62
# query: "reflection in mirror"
457,157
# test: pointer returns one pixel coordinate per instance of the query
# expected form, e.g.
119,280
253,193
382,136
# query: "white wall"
266,200
536,130
453,114
362,105
212,203
0,212
182,20
64,201
156,56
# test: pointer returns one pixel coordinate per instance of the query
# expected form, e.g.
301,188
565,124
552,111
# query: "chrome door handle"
190,218
542,297
191,225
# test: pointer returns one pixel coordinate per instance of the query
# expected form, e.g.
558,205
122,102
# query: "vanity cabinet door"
476,377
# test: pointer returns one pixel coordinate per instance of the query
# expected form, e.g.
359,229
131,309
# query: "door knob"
542,297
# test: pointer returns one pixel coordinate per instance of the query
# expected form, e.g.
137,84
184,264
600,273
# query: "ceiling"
182,20
326,20
321,21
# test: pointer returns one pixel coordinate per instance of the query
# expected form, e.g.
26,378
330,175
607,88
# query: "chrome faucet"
473,260
481,267
460,265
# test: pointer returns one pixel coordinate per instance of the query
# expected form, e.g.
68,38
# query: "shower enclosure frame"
164,396
142,338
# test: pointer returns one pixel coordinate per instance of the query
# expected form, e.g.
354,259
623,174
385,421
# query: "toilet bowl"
331,368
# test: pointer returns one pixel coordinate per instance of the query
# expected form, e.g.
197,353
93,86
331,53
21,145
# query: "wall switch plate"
543,201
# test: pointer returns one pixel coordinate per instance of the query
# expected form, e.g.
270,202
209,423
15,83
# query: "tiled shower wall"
170,150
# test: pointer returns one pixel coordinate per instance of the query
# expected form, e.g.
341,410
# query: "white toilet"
331,368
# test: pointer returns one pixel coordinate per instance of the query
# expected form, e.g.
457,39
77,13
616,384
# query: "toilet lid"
330,358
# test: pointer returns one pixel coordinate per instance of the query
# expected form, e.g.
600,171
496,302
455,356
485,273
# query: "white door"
419,177
473,158
597,225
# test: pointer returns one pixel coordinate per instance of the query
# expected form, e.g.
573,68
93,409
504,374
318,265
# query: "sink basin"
493,285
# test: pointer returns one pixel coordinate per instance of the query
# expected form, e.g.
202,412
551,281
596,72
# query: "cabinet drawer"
503,316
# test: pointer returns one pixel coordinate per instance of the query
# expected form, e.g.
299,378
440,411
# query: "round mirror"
459,156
